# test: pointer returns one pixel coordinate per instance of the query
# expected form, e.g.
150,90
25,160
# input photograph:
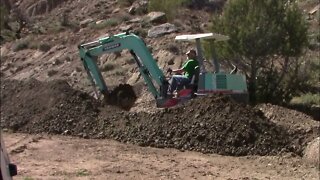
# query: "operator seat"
194,80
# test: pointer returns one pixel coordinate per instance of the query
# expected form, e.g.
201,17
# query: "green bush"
108,67
129,60
7,35
107,23
125,3
119,72
83,172
45,47
266,40
125,18
169,7
56,27
21,44
307,99
3,16
141,32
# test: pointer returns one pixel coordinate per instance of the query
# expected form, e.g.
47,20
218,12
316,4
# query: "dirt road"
62,157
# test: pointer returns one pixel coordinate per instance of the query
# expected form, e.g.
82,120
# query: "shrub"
83,172
21,44
129,60
44,47
169,7
119,72
125,18
107,23
141,32
108,67
173,48
7,35
56,27
267,38
307,99
125,3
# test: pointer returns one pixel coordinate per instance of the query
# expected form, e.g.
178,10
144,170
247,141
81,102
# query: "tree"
12,13
264,35
4,17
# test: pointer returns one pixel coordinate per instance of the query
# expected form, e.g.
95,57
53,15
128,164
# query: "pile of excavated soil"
209,125
34,106
213,124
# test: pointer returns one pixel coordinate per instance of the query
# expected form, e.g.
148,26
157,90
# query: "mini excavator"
202,83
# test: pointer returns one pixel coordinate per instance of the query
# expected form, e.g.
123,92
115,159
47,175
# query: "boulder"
157,17
116,10
126,28
132,10
135,20
85,22
161,30
138,7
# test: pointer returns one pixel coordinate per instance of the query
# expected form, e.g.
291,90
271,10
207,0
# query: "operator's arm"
179,71
182,69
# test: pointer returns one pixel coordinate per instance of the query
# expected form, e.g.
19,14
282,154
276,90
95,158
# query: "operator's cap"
191,51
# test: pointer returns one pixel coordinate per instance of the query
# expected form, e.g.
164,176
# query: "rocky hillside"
52,29
48,47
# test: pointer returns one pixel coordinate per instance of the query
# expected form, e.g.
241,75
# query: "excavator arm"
89,53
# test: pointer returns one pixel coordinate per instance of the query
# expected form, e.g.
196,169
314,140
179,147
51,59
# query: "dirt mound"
209,125
34,106
212,124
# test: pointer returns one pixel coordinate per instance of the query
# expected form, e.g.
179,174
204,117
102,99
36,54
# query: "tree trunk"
252,81
283,73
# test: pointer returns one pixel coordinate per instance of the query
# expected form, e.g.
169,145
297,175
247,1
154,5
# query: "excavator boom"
89,53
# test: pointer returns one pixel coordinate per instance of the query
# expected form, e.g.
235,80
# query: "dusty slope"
211,125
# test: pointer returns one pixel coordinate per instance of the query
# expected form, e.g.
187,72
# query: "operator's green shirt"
189,67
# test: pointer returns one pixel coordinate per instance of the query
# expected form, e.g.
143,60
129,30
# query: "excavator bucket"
122,96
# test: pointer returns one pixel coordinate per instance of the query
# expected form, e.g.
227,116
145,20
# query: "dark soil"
122,96
34,106
213,124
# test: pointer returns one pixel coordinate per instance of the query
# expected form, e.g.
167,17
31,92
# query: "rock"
60,47
157,17
161,30
116,10
85,22
78,69
56,62
171,61
311,153
134,78
138,7
4,51
126,28
132,10
135,20
100,21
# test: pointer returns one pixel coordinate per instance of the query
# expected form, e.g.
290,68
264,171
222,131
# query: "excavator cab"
217,82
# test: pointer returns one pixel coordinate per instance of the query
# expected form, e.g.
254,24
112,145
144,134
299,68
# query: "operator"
185,73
